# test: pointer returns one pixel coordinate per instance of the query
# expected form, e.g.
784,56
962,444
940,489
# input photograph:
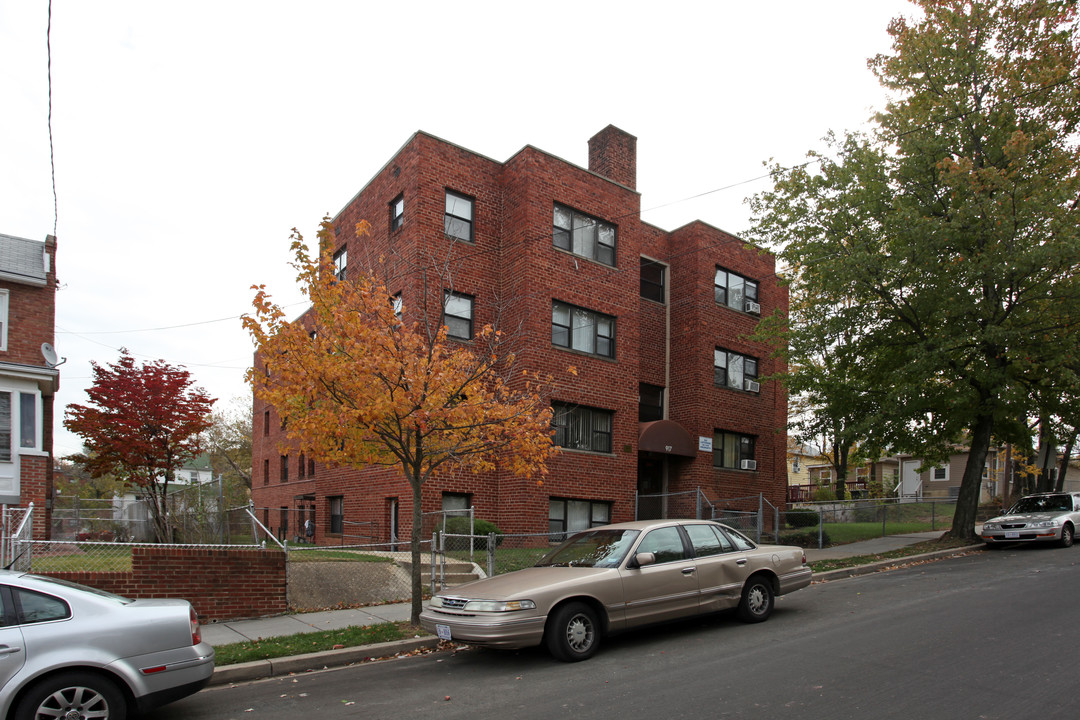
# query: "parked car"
70,651
616,577
1044,517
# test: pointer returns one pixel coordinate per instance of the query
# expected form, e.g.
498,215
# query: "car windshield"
1042,503
593,548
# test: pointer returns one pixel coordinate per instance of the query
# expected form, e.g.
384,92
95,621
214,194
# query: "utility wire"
52,154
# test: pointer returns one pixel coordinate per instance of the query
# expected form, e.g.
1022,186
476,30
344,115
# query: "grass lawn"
116,558
917,549
841,533
285,646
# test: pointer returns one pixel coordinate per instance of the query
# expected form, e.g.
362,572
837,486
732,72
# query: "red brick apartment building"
28,374
666,397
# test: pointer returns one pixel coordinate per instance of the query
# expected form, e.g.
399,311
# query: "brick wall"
222,584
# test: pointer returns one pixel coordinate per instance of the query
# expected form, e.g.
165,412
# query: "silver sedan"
613,578
70,651
1044,517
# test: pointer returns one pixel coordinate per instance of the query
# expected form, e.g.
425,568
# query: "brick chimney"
613,154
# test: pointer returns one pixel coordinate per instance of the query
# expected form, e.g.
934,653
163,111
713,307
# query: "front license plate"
1012,536
443,631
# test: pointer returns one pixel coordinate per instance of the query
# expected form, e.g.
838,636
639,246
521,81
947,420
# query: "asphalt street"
986,635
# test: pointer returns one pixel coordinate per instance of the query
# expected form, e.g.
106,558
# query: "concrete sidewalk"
249,630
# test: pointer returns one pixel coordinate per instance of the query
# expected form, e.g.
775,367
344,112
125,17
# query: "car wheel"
573,632
757,600
73,696
1066,536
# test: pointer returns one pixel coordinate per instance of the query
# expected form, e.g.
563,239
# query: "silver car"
1045,517
613,578
70,651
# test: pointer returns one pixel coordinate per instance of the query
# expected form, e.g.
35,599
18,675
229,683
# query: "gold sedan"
617,577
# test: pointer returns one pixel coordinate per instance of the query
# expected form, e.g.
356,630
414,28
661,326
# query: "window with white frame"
735,370
581,428
584,235
397,212
458,220
940,474
3,319
341,260
734,450
458,315
337,514
736,291
580,329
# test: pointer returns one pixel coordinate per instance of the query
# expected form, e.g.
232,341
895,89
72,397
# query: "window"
581,428
940,474
266,471
650,402
337,514
652,280
456,502
5,427
458,220
731,450
341,260
311,468
35,607
707,540
284,468
584,330
567,516
28,420
736,292
666,543
583,235
301,466
283,527
395,302
458,315
734,370
266,422
397,212
3,319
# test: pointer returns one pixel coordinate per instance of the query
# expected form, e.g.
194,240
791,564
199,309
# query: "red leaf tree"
142,423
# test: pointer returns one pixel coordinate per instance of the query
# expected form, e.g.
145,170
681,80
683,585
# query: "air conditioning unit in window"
753,307
748,464
751,386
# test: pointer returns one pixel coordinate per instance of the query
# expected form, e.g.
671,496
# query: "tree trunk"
967,503
417,530
1046,445
1064,465
840,456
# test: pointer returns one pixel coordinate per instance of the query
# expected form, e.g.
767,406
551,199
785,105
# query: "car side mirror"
642,559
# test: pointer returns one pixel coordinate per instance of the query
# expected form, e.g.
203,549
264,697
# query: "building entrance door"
651,484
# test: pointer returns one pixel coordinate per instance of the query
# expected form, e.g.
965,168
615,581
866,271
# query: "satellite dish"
49,353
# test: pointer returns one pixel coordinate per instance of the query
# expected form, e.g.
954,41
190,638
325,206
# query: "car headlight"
1045,524
991,526
499,605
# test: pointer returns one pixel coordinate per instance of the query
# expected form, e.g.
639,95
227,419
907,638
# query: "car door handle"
5,650
688,571
740,562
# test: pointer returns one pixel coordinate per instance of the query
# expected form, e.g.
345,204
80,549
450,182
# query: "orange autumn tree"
355,386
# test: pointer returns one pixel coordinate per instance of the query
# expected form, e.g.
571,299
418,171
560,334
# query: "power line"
52,154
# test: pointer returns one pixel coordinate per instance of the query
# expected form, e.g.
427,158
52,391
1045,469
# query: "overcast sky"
189,138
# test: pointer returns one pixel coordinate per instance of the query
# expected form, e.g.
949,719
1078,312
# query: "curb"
879,565
292,664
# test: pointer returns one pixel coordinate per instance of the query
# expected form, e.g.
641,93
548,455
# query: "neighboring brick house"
28,375
666,398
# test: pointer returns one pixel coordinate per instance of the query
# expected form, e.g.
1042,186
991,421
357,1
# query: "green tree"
952,228
228,441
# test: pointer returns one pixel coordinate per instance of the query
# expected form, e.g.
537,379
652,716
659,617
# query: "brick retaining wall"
221,583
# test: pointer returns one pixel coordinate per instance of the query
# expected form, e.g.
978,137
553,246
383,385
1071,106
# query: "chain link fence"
820,524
